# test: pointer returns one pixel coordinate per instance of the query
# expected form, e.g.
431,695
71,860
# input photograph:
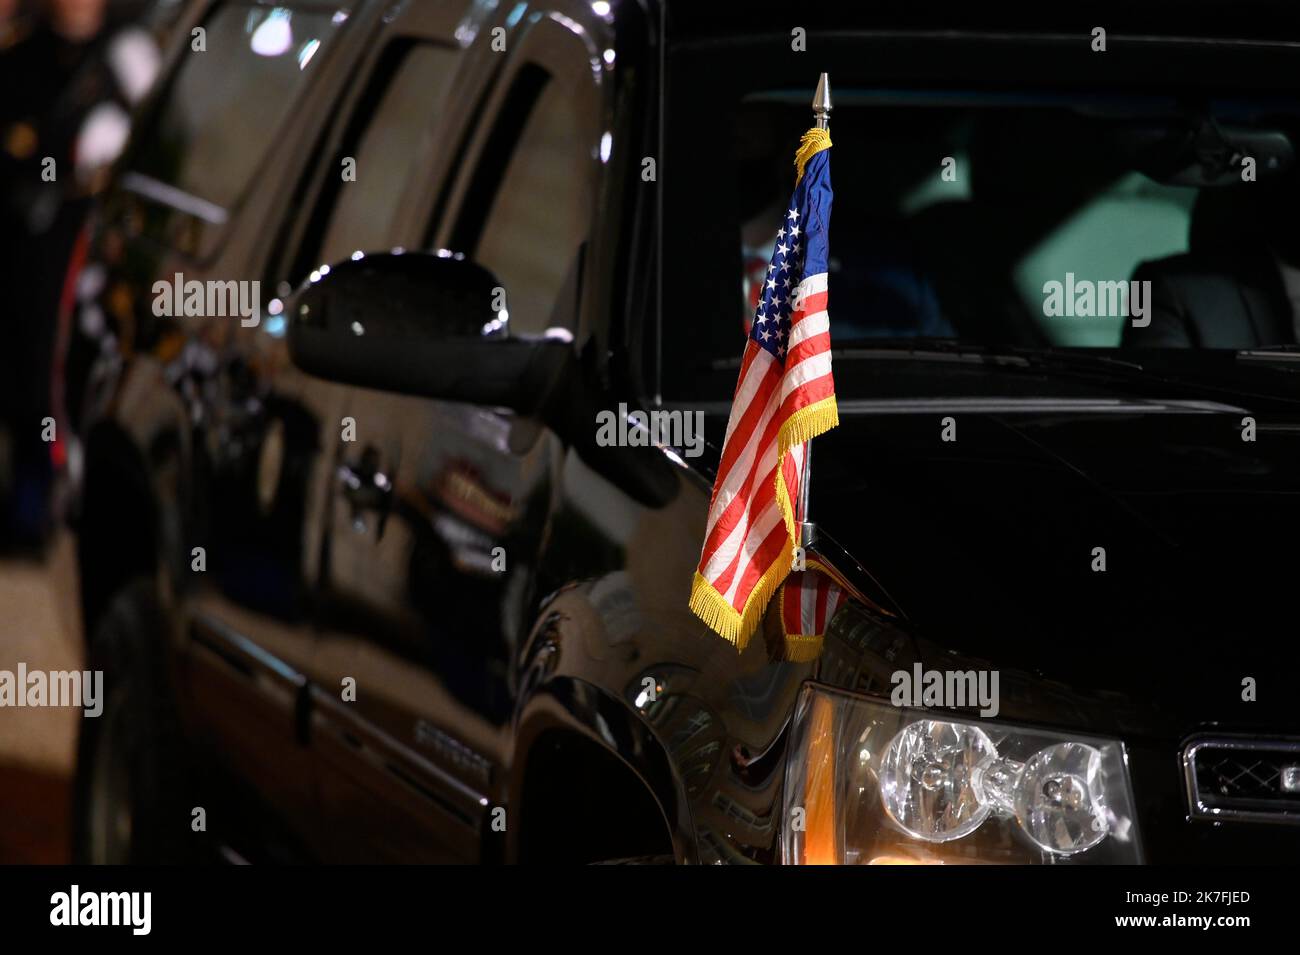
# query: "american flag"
785,396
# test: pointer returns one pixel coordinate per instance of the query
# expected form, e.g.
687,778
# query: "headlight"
870,783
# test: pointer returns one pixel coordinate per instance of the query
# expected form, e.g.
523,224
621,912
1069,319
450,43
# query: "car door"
439,509
368,787
191,205
254,645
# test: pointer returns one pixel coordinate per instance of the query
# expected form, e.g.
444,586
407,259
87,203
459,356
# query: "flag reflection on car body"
808,600
785,396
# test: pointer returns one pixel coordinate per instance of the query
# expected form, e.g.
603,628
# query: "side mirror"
420,324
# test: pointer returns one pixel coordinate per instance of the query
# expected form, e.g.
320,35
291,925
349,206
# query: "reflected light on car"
307,52
273,35
645,696
902,860
819,813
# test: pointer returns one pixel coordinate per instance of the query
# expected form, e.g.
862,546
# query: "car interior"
953,226
948,225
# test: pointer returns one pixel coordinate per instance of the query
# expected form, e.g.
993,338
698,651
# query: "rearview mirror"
420,324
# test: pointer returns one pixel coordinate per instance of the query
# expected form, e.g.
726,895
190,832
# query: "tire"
129,796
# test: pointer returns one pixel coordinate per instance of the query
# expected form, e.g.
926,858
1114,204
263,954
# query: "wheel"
129,799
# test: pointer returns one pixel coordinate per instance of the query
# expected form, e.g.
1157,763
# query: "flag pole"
821,107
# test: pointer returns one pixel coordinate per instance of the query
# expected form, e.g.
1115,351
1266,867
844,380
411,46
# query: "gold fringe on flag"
813,142
802,647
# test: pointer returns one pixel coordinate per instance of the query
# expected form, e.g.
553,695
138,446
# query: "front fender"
571,705
702,726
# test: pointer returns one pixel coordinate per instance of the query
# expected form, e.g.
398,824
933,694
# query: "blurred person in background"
14,21
71,71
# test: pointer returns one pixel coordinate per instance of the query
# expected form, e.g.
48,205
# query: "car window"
407,97
960,217
1131,220
528,212
945,230
219,118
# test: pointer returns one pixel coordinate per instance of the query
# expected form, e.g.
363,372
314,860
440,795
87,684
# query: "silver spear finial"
821,104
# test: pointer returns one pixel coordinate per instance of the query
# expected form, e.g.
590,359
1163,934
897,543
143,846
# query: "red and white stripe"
747,536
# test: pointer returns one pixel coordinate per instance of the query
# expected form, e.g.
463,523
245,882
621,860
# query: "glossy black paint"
371,560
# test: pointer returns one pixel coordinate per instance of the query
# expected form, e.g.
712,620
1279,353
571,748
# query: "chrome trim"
1199,810
1268,356
178,199
388,755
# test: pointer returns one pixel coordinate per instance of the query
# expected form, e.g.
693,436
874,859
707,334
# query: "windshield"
1070,217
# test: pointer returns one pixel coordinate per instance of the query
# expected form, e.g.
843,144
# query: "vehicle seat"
1225,292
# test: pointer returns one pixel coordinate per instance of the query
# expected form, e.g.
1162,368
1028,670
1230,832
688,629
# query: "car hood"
993,543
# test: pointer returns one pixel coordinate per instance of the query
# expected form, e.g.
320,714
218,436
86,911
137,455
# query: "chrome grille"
1243,778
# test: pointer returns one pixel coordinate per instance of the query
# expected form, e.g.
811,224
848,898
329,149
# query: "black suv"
365,584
